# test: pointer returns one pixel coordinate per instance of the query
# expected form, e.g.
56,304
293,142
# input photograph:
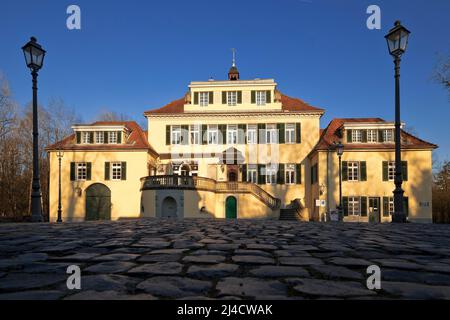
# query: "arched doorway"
169,208
98,202
231,208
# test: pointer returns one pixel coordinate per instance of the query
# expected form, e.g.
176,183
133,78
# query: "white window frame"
232,98
116,171
252,134
175,135
252,174
353,171
271,134
391,170
354,206
203,99
271,175
289,135
81,171
213,134
388,133
232,134
195,133
85,137
99,137
372,135
112,137
261,98
356,136
289,174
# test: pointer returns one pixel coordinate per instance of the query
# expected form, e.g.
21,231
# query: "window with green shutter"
298,173
204,134
88,171
107,170
344,170
363,171
253,96
211,97
124,170
261,174
364,136
72,171
385,171
268,96
345,205
385,206
298,132
224,97
349,136
105,137
119,136
364,206
239,97
281,133
280,173
195,97
78,133
380,136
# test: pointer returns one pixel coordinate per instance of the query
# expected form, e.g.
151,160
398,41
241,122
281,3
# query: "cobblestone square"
223,259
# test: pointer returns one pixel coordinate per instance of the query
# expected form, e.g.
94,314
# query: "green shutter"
344,171
281,132
89,171
244,172
72,171
211,97
261,174
364,206
380,136
124,170
298,173
185,134
167,135
224,97
405,205
195,97
298,132
223,132
280,174
204,134
345,205
119,137
239,97
364,136
91,137
107,170
349,136
78,137
363,171
405,170
261,133
385,171
242,133
268,97
105,136
385,207
253,96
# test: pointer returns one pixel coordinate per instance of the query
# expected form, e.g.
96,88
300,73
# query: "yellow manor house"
237,149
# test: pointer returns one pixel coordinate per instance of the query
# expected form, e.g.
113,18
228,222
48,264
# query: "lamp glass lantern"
340,149
397,39
34,54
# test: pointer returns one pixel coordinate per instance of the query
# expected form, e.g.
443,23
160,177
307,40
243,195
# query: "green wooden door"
98,202
231,208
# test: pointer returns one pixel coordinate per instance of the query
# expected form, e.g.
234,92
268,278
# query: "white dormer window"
99,137
232,98
86,137
261,98
388,135
204,99
112,137
372,135
356,136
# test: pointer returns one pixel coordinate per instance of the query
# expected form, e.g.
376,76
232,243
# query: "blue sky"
130,56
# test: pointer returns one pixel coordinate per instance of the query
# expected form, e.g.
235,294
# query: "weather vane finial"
234,57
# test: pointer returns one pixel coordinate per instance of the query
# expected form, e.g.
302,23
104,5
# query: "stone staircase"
289,214
293,212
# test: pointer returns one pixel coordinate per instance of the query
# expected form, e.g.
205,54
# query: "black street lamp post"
59,155
397,40
340,152
34,58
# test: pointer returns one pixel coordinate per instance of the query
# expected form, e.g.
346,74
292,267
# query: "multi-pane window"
252,136
176,135
391,205
354,206
252,174
271,134
372,135
112,137
231,98
232,134
353,171
86,137
99,137
391,170
81,170
290,133
116,171
260,98
289,174
204,99
271,175
213,134
388,135
195,134
356,136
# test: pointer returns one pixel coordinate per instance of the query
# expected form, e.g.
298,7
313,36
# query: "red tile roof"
288,104
330,134
137,139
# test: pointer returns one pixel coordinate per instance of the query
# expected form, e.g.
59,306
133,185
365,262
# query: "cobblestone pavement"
219,259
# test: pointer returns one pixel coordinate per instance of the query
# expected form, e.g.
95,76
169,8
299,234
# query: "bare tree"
109,115
441,73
